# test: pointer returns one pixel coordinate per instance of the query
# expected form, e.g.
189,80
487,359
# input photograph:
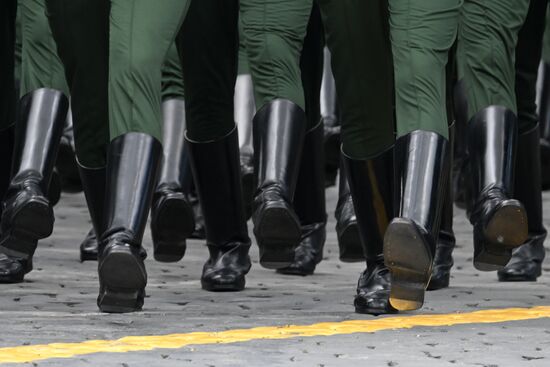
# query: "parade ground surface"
52,320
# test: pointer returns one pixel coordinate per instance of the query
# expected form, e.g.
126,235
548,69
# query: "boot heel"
407,256
123,280
35,219
508,226
177,223
278,233
492,257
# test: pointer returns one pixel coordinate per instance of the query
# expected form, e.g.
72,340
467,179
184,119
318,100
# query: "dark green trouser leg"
8,10
422,33
274,33
40,65
362,66
489,71
172,76
210,70
81,31
141,33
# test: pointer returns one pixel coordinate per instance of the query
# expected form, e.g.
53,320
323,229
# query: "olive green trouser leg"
422,33
244,67
81,31
210,37
274,32
172,76
141,33
487,42
356,34
40,65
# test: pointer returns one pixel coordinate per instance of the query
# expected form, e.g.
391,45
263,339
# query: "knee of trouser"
142,67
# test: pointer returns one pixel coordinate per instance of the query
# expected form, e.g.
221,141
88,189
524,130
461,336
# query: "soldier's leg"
526,262
309,199
41,117
544,105
422,34
210,37
274,32
172,218
8,10
357,37
500,222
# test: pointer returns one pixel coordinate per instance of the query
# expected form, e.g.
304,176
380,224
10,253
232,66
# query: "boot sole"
295,271
123,283
175,223
506,230
233,287
374,311
349,242
278,234
87,257
410,264
34,220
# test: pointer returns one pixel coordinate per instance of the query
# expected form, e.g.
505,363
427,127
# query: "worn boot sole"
410,263
174,222
123,282
278,234
349,243
506,230
236,286
33,220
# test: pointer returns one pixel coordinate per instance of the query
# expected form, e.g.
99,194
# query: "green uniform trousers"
172,76
113,53
244,67
40,65
274,32
357,36
422,34
486,51
8,9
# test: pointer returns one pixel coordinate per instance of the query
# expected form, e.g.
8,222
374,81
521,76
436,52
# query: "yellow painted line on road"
31,353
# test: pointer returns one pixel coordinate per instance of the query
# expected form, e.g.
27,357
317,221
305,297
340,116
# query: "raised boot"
421,169
172,217
27,213
245,108
446,241
93,182
371,184
309,202
216,171
526,262
133,162
347,230
279,129
500,222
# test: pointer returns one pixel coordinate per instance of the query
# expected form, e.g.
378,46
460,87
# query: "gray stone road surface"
57,304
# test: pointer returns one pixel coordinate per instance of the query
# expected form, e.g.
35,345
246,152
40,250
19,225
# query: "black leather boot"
459,183
409,244
217,175
371,184
93,181
446,241
133,161
526,262
347,231
199,233
245,108
309,202
27,213
279,129
544,115
500,222
172,217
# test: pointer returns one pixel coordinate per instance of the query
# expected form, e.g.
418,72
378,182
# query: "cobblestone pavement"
56,304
